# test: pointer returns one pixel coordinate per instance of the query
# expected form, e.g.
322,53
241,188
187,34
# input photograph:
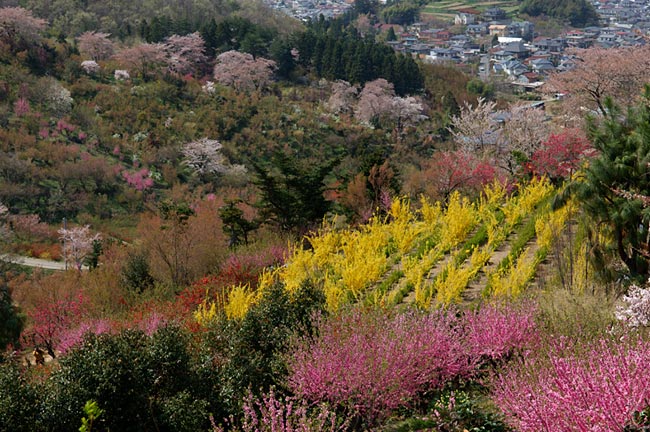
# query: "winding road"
33,262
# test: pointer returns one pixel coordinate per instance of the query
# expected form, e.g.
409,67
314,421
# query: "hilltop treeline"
578,13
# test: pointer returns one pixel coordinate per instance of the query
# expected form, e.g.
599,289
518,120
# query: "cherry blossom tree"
78,244
619,73
185,54
90,67
378,105
18,26
522,132
475,129
95,45
342,98
635,312
525,129
144,58
205,158
242,71
375,101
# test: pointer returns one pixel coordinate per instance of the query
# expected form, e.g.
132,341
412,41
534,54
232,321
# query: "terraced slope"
431,256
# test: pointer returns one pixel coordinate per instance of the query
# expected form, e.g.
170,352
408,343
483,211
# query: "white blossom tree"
90,67
475,129
205,158
242,71
5,232
78,244
636,311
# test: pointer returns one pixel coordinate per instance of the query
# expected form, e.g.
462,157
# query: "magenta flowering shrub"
371,363
139,180
272,414
495,332
73,337
572,388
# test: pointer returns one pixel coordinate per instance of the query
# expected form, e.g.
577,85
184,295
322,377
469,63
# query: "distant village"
493,43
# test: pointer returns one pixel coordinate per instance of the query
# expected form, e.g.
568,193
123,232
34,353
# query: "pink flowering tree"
568,387
50,321
242,71
140,180
449,171
78,244
185,54
95,45
271,413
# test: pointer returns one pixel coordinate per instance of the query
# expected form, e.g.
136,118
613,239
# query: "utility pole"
65,256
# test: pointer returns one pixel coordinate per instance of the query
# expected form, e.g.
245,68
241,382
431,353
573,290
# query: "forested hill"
578,13
128,18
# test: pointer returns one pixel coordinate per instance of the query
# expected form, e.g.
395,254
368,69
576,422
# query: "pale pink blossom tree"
185,54
78,244
242,71
378,105
144,59
18,25
375,101
342,98
95,45
619,73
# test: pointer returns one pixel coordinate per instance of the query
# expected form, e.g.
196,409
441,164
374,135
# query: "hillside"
271,226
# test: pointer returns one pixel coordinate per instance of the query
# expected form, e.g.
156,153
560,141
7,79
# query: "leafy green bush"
139,382
18,401
252,349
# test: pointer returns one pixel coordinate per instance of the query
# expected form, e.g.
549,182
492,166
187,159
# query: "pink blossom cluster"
261,259
585,389
372,363
64,126
74,336
272,414
139,180
21,107
496,332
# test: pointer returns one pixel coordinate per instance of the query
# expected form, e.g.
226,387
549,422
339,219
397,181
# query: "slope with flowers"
427,253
